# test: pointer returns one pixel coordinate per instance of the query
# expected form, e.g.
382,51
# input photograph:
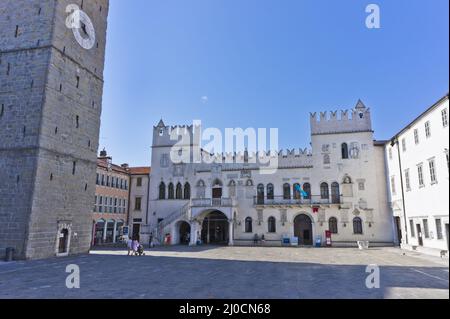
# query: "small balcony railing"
212,202
283,201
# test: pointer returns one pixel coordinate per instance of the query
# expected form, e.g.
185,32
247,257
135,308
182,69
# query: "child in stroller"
140,251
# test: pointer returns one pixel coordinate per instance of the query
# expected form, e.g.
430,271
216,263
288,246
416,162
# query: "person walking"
188,238
129,245
150,242
255,239
135,246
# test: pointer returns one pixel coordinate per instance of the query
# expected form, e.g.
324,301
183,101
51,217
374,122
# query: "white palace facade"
339,185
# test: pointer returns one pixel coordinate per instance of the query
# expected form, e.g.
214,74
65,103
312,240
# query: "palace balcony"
281,201
212,202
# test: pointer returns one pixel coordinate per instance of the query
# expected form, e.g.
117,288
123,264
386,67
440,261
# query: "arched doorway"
215,229
63,241
303,229
184,233
99,229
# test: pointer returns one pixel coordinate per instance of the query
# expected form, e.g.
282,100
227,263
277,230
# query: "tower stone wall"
50,104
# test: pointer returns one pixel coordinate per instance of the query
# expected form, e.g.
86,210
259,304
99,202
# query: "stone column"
193,241
230,233
207,234
115,231
105,228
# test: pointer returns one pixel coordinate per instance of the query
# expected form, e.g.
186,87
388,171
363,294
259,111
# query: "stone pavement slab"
230,272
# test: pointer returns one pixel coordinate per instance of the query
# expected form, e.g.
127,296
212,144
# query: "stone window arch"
179,191
324,191
249,225
333,225
270,191
162,191
260,194
272,225
171,191
307,190
335,193
187,191
286,191
357,226
344,149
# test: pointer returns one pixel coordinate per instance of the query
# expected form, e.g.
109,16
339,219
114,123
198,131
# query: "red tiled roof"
103,163
140,170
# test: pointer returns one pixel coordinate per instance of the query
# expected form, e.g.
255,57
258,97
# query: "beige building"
138,202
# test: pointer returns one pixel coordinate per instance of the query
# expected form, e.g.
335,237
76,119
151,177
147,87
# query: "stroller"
140,251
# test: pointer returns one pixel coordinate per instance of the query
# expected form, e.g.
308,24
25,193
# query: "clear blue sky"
267,63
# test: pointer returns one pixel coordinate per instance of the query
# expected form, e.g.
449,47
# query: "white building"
418,178
342,177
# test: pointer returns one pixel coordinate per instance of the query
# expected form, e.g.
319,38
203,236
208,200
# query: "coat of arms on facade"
164,160
246,173
326,148
178,170
354,150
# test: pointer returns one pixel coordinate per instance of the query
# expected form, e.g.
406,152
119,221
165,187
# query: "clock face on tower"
84,32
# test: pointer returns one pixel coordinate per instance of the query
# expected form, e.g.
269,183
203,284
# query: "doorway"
217,192
63,238
136,231
303,230
184,233
215,229
419,234
398,227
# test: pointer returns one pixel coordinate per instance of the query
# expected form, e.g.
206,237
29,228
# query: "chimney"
103,153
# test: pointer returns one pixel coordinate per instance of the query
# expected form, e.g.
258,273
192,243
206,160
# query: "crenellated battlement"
294,157
331,122
164,135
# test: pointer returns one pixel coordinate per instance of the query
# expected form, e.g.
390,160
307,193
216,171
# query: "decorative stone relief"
164,160
260,216
216,169
354,150
322,216
369,216
246,173
362,203
344,216
178,170
283,215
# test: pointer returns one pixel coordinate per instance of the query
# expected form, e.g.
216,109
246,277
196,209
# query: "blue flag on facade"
299,189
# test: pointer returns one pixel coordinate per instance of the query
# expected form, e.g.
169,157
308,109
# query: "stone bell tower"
51,83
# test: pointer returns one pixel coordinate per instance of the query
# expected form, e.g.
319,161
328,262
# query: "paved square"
231,272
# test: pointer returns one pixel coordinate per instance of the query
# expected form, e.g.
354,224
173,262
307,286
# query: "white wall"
430,201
